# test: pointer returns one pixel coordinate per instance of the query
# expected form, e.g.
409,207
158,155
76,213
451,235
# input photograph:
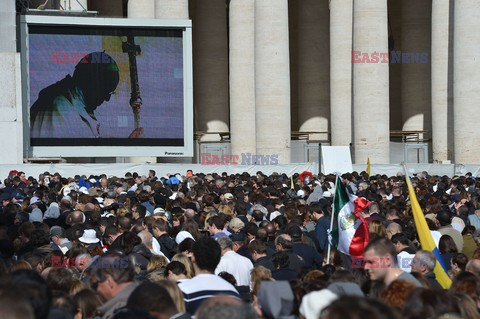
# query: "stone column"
171,9
466,79
370,83
440,81
341,19
416,72
8,41
293,7
144,9
272,79
11,124
210,68
395,69
313,67
242,76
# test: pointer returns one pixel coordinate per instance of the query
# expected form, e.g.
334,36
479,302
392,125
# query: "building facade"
349,72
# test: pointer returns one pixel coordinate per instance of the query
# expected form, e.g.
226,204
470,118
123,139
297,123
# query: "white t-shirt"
236,265
458,223
436,236
405,261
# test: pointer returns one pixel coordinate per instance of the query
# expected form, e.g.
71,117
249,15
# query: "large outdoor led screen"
116,89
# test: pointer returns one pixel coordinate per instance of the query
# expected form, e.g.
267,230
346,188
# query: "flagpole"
331,221
368,167
405,170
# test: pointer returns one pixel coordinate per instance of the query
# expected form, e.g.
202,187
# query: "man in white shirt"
405,254
233,263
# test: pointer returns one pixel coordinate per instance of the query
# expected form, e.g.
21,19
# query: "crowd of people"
232,246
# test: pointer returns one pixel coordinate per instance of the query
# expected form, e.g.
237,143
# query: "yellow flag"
291,182
425,237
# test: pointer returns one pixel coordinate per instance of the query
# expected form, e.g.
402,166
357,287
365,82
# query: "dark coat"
310,256
321,232
140,256
168,246
284,274
265,262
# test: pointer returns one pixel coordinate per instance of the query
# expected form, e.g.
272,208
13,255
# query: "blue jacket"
173,181
148,206
310,256
82,182
321,232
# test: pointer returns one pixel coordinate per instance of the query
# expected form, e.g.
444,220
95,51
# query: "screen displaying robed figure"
106,87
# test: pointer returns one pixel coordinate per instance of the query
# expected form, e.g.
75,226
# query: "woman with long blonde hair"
187,262
175,293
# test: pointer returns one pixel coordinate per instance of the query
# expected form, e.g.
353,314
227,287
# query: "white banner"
119,170
336,159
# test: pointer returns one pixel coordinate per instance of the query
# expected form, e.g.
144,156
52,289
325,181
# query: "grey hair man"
233,263
284,243
392,229
151,243
424,263
112,276
223,306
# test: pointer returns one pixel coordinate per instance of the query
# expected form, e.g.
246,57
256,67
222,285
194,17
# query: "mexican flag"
352,235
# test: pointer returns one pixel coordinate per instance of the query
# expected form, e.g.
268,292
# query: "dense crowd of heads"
233,246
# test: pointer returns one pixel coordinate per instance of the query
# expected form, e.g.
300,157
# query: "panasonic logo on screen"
170,153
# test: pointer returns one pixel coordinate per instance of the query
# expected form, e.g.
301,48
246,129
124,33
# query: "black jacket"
140,256
265,262
284,274
168,246
245,252
310,256
432,281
